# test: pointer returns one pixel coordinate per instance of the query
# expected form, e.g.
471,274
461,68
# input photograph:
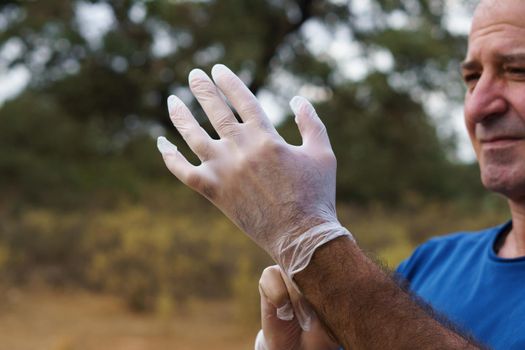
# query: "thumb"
299,305
276,333
281,329
312,129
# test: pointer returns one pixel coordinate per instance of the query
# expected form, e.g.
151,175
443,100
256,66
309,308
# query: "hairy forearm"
365,308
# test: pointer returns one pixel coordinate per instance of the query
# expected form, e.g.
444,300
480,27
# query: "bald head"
491,12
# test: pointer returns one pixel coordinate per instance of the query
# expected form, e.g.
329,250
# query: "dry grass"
51,320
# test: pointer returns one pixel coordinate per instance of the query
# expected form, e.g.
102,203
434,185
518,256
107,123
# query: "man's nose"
486,100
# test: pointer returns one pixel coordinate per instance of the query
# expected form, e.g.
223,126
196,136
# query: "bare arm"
365,308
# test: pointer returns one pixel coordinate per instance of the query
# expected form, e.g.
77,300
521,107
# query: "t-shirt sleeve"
402,267
408,267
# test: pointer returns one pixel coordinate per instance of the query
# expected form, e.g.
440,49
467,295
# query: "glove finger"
211,101
241,98
312,129
190,130
178,165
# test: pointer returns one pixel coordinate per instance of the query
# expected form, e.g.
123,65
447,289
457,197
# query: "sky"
96,20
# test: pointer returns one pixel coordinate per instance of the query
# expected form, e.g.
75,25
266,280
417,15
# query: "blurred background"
102,248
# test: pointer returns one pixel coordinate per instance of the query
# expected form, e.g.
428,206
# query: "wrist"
294,252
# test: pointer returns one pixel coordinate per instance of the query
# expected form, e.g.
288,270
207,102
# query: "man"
283,197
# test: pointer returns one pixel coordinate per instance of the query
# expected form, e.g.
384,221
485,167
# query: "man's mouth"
500,141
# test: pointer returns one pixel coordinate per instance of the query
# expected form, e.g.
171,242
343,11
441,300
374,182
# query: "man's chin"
509,187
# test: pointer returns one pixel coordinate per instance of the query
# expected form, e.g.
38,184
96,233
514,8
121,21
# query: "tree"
83,189
97,98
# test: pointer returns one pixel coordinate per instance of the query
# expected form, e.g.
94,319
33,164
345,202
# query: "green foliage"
82,126
86,200
245,290
145,255
391,233
387,149
163,253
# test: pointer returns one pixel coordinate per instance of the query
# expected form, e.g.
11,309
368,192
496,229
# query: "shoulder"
464,239
443,249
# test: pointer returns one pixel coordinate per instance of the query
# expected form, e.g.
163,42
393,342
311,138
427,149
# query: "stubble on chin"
503,172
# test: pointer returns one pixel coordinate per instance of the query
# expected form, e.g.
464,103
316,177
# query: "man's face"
494,71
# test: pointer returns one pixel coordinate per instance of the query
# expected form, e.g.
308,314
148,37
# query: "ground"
77,320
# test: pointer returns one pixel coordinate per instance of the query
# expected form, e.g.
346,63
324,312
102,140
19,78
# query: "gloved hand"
285,315
282,196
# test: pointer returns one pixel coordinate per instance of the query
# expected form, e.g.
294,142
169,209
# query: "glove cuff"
294,254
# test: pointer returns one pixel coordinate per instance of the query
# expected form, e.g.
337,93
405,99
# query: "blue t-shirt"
461,276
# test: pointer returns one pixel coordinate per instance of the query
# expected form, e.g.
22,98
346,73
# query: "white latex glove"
285,315
282,196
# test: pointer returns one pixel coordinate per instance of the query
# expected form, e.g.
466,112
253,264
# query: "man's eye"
516,70
468,78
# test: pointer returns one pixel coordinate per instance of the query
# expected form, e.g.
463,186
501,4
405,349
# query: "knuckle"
209,191
274,147
321,128
270,271
268,275
202,184
328,157
225,124
202,150
318,128
250,108
264,276
267,148
199,144
194,180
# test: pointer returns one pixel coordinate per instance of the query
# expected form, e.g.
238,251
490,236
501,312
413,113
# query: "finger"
301,308
310,126
269,319
240,97
175,162
220,115
273,287
190,130
278,333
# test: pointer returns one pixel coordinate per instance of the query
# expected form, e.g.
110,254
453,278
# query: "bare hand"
284,316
